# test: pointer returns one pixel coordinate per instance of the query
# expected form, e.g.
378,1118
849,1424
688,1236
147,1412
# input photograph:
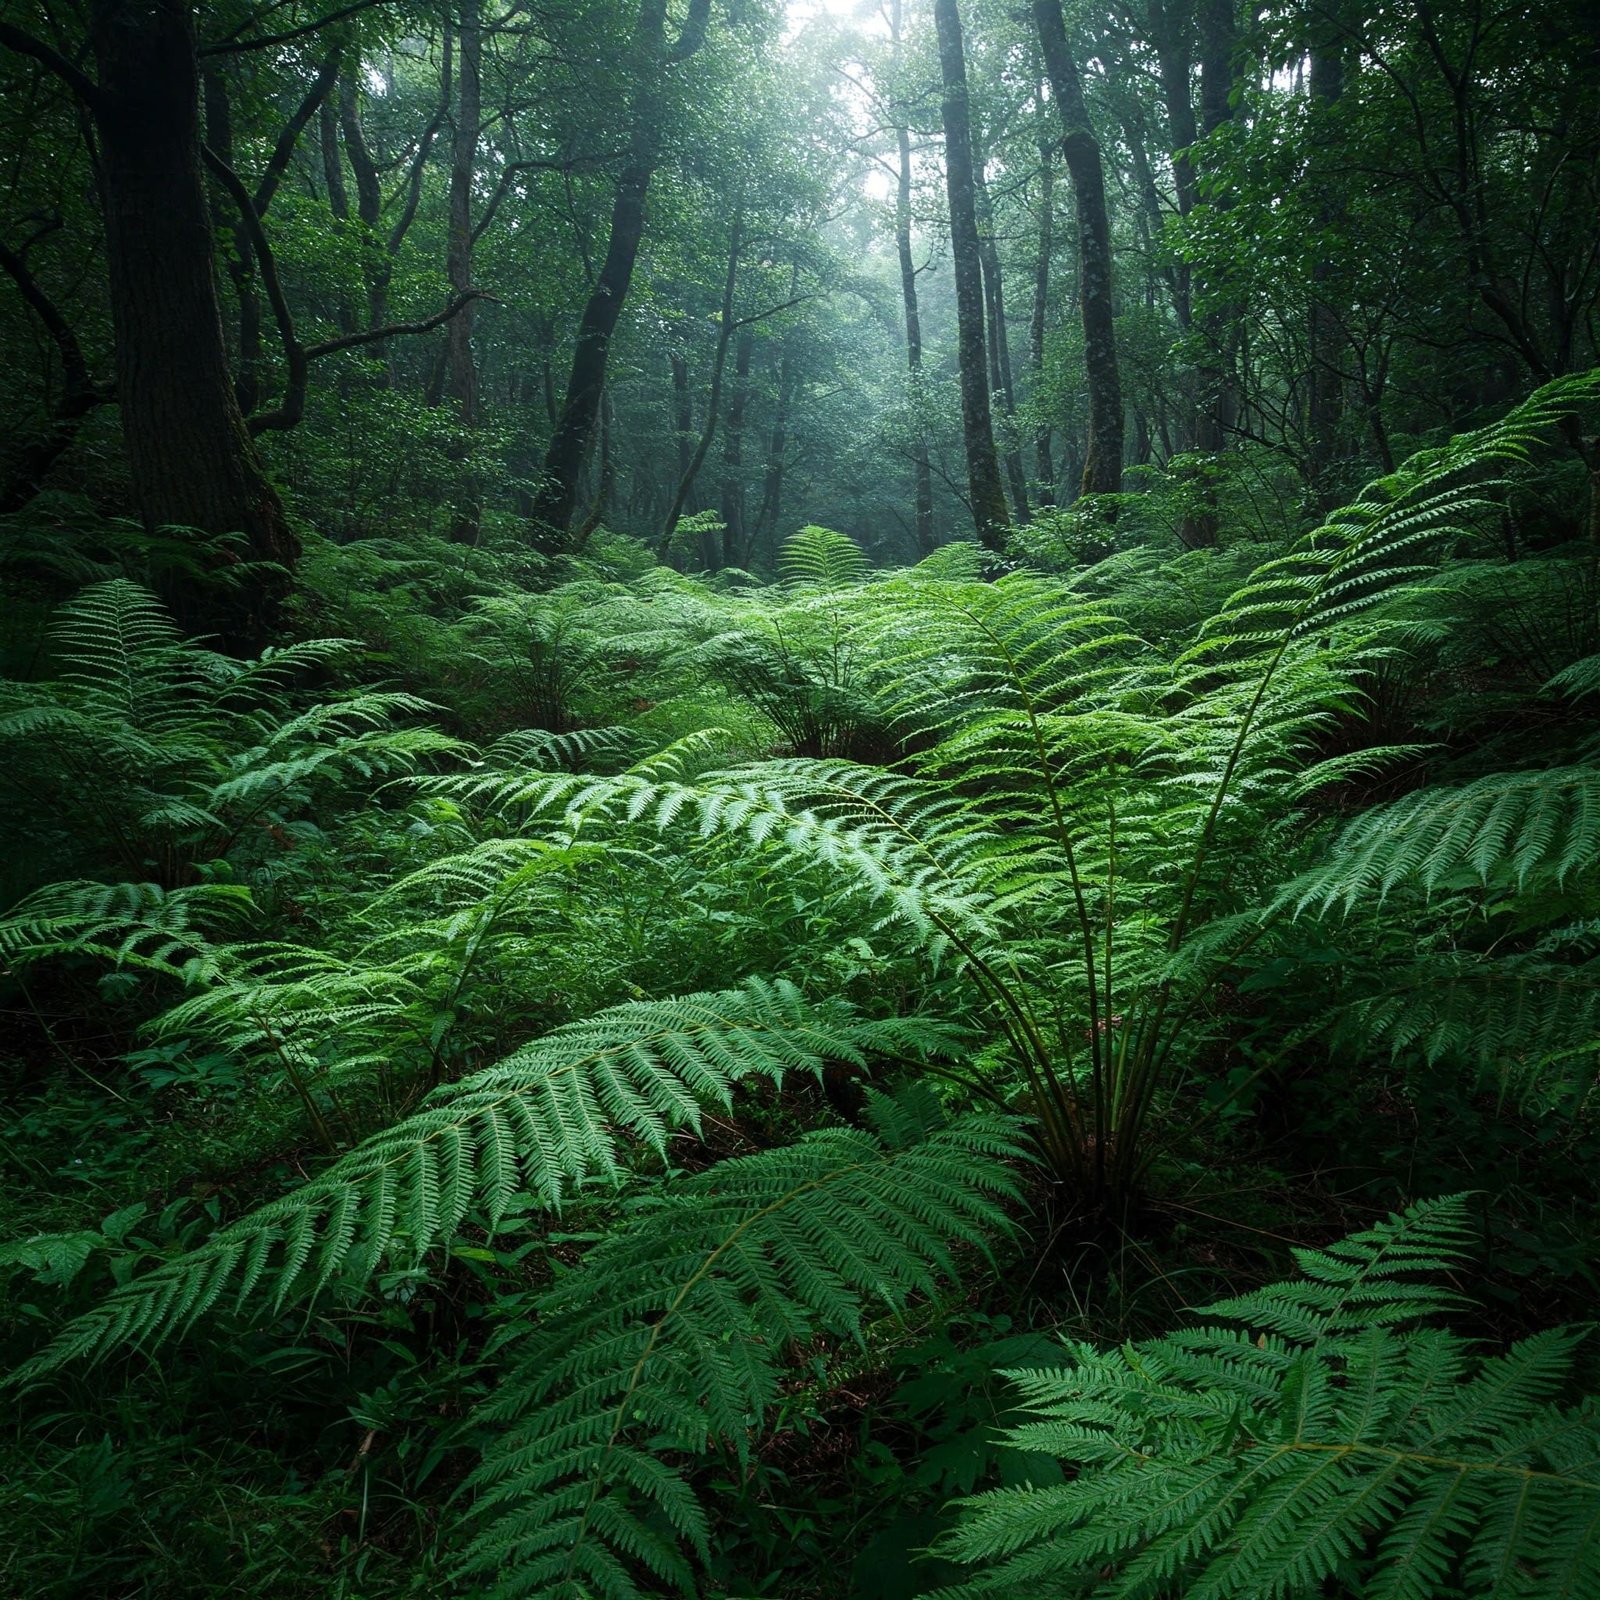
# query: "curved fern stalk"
549,1118
897,842
669,1339
1361,554
1323,1437
1364,552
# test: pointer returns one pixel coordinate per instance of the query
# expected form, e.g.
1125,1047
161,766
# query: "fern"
669,1340
1323,1437
1521,829
820,558
172,931
1527,1023
548,1119
169,753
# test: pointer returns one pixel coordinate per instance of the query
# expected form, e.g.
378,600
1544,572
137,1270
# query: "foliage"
1313,1433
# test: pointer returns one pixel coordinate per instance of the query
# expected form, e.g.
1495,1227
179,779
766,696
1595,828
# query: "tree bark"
719,362
461,371
777,454
1045,468
733,453
190,455
922,473
977,426
461,384
1217,403
1102,469
563,461
994,300
1325,382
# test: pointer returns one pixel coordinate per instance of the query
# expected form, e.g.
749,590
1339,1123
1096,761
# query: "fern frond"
1521,828
547,1119
821,558
131,924
669,1338
1326,1438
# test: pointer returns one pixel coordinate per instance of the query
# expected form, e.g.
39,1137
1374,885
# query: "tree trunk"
1217,404
1325,401
994,300
922,473
190,455
719,364
461,384
1102,469
682,412
461,372
977,427
733,453
563,460
1045,466
777,453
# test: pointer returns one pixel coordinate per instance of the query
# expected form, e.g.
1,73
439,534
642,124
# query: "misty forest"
801,799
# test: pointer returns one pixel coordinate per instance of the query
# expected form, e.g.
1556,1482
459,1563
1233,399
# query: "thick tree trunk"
977,427
190,455
1102,470
922,473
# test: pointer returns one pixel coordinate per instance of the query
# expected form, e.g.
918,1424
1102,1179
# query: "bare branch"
397,330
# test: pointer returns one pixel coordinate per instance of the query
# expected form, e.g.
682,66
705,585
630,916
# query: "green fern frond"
131,924
820,558
1526,1023
549,1118
1521,828
1326,1439
669,1339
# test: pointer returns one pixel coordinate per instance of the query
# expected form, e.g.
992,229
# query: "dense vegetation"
800,804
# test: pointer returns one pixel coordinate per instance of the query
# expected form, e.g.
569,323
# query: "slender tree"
922,474
1102,468
988,500
569,443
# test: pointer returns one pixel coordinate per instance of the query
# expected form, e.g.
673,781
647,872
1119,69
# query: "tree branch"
298,357
293,353
693,32
283,151
80,395
79,82
231,45
512,170
397,330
